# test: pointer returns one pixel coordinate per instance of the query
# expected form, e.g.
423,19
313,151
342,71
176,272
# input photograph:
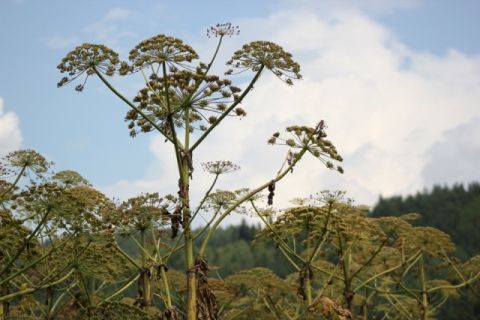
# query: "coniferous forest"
67,251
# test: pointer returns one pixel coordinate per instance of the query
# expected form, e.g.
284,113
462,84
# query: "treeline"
454,210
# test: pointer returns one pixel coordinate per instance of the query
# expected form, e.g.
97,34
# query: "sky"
396,81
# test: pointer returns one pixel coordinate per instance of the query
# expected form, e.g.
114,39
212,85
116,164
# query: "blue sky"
398,82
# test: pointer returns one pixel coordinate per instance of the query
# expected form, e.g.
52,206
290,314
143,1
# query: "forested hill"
454,210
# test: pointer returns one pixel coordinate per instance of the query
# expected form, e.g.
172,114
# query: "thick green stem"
189,256
308,283
423,283
163,274
348,293
145,276
176,145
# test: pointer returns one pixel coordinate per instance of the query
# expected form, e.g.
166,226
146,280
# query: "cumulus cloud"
10,135
454,158
386,106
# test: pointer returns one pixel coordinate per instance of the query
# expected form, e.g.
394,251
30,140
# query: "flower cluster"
28,159
83,209
203,96
312,138
158,50
258,54
219,167
70,178
222,30
222,199
430,240
141,212
86,59
37,198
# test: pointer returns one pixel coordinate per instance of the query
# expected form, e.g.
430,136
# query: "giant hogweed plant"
62,257
55,240
351,266
184,102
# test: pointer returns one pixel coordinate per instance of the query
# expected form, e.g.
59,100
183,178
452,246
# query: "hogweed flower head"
82,209
222,30
145,210
222,199
161,49
70,178
258,54
28,159
312,138
39,197
219,167
85,59
204,101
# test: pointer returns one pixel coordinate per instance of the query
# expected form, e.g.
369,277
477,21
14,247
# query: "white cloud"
385,105
455,157
10,134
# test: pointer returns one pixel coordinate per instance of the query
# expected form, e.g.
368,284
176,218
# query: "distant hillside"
454,210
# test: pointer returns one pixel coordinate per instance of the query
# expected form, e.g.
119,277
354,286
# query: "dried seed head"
222,30
271,192
86,59
258,54
144,211
219,167
313,139
204,96
28,159
161,49
70,178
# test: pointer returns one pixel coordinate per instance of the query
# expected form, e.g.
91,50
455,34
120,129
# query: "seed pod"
271,193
